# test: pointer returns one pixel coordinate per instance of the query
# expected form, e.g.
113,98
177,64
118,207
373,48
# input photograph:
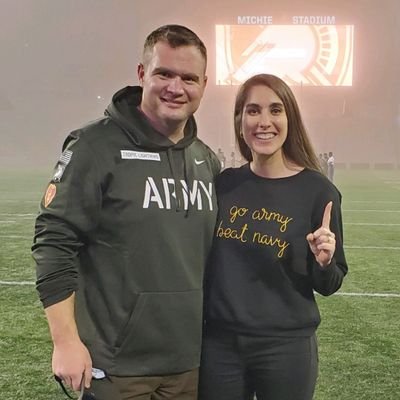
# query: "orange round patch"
50,194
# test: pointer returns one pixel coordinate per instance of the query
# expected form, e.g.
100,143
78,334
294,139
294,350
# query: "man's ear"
205,80
140,73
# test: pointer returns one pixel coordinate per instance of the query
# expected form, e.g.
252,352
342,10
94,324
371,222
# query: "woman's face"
264,123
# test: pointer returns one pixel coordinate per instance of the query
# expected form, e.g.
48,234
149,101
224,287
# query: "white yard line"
372,247
19,201
17,283
16,237
368,224
368,294
372,201
383,295
377,211
25,216
17,215
346,246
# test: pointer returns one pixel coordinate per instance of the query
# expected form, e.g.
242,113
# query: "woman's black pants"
237,367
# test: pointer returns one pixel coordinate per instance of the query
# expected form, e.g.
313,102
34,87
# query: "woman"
278,239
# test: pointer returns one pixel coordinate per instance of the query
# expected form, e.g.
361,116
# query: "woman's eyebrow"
276,104
252,105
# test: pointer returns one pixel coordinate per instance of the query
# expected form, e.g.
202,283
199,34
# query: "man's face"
173,81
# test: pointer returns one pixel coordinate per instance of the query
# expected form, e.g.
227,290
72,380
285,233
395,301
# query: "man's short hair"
175,36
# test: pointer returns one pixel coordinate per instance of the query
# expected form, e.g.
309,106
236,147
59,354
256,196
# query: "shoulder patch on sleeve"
50,194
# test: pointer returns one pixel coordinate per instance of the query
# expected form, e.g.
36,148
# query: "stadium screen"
308,55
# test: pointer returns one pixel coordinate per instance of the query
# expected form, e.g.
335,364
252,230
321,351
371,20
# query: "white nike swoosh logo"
197,162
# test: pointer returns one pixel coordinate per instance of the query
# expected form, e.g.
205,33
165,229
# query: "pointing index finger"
326,219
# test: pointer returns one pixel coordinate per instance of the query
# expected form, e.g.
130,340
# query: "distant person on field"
331,166
233,159
323,163
221,158
124,231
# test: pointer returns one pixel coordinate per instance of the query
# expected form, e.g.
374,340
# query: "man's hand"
72,361
322,242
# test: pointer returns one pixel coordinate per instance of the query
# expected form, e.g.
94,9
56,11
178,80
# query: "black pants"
235,367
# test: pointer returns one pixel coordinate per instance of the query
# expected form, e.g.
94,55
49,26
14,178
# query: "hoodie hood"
124,111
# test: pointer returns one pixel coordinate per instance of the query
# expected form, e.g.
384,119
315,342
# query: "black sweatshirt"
262,275
127,224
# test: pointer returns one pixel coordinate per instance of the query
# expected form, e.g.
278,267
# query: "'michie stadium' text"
313,20
295,20
254,20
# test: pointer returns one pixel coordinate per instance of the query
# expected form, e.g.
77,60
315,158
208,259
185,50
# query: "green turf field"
359,337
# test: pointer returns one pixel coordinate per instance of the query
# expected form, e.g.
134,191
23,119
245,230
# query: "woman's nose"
264,121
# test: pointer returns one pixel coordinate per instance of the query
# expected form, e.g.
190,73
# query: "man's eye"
189,79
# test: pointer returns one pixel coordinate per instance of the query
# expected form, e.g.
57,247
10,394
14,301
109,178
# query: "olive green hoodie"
127,223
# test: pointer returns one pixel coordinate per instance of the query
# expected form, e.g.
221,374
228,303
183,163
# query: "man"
322,163
325,164
221,158
331,166
124,230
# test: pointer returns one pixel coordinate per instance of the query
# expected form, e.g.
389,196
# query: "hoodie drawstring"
185,176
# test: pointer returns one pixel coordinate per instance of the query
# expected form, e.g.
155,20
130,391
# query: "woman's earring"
241,134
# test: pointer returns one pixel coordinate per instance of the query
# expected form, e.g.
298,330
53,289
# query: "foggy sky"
63,59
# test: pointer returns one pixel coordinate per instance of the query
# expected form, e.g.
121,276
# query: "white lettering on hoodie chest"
162,193
139,155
